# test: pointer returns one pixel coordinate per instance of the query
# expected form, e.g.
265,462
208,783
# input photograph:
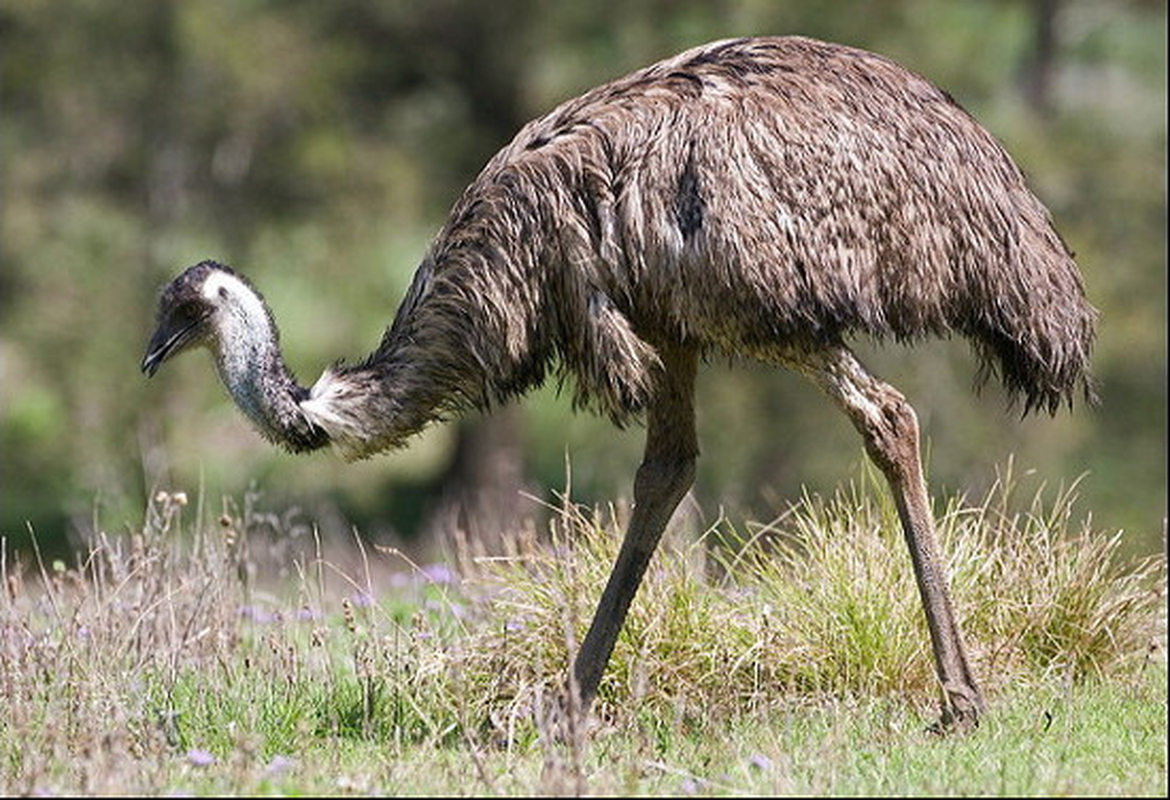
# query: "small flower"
257,614
439,573
279,765
760,762
361,600
306,614
200,758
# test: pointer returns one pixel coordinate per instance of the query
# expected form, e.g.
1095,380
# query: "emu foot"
951,721
565,719
961,709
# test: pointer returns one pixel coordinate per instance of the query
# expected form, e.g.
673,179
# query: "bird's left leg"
890,428
666,473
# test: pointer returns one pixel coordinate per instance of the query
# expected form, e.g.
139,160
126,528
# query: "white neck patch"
241,318
223,287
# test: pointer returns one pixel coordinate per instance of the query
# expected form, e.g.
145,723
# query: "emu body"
767,198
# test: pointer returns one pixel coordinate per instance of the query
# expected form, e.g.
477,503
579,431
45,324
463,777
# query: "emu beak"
168,339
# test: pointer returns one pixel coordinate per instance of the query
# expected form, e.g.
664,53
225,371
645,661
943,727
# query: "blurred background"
318,146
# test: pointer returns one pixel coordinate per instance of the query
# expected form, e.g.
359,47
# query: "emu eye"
188,313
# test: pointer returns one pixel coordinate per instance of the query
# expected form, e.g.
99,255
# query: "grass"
785,658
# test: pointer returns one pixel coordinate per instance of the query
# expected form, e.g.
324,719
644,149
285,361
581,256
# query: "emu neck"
250,364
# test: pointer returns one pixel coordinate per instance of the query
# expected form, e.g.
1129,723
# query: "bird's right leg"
666,473
890,427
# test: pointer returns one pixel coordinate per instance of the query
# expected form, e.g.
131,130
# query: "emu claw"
960,715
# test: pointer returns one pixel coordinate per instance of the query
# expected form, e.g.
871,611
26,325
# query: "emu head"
211,306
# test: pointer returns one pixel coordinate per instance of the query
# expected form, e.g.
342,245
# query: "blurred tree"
1041,64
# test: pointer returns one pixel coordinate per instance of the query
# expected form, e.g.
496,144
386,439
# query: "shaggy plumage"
759,197
768,198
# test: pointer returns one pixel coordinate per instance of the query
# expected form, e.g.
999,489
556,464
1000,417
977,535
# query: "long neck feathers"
439,357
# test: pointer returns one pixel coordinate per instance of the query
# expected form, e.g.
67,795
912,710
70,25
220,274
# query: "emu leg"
890,428
666,473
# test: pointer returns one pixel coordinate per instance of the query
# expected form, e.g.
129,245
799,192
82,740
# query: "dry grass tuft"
818,603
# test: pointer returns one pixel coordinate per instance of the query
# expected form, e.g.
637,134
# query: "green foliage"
318,146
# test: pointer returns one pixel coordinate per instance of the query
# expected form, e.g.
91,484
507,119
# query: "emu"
767,198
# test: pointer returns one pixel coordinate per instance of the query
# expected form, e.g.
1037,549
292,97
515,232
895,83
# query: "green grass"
788,658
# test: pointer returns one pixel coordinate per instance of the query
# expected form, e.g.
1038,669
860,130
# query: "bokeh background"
317,147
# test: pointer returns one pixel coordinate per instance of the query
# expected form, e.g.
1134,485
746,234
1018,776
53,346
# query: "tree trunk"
1040,67
482,494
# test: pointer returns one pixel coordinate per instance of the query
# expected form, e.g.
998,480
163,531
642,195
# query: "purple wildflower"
200,758
439,573
279,765
760,762
361,599
257,615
